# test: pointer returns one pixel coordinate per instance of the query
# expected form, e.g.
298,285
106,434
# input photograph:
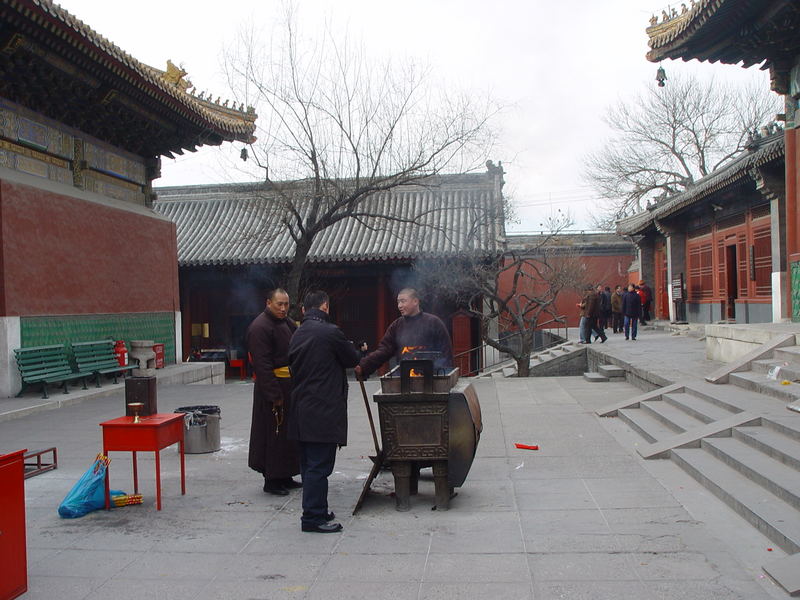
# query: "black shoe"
330,517
603,341
275,488
321,528
290,484
626,338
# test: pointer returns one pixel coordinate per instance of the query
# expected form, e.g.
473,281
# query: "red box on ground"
13,554
159,350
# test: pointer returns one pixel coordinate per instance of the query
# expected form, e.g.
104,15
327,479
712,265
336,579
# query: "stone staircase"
545,363
605,373
734,436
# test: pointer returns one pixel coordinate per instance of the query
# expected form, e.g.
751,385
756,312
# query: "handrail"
562,319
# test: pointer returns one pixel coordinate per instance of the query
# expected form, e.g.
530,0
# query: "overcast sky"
556,65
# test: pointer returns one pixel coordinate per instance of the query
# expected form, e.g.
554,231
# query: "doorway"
731,281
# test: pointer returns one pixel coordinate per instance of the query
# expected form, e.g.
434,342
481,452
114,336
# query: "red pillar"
381,321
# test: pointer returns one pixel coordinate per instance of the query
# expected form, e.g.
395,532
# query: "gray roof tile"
237,224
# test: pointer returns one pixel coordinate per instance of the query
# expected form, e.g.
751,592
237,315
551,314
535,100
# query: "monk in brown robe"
271,453
415,330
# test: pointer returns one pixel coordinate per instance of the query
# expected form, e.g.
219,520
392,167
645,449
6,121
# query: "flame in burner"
411,350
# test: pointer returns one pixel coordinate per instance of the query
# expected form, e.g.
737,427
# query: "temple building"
83,125
728,248
233,247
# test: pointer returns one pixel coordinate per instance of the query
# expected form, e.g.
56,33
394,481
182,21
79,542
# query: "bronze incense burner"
427,419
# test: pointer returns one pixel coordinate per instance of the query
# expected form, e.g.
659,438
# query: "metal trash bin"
201,429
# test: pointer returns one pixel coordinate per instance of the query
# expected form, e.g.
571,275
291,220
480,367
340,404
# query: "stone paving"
582,518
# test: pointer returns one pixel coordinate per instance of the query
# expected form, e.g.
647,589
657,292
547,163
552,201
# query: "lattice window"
762,243
742,266
701,271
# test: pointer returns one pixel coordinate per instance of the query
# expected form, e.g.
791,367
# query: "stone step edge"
747,509
692,437
765,350
760,476
611,409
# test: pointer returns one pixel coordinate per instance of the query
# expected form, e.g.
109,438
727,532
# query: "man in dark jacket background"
632,310
591,303
319,353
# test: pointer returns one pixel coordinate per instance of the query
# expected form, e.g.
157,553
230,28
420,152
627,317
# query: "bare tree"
337,127
517,290
668,137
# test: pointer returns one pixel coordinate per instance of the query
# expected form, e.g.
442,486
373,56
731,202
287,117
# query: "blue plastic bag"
89,493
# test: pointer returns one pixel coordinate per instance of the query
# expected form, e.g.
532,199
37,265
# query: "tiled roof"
729,31
238,224
232,124
769,148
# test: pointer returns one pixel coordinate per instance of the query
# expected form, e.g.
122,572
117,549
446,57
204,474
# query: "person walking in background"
582,323
271,453
319,353
631,310
591,309
646,294
605,306
616,309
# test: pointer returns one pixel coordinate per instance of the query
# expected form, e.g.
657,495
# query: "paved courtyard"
582,518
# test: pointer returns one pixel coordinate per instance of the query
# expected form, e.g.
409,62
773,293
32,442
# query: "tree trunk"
526,347
523,366
295,277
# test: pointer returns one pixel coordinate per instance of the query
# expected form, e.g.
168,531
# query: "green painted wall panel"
795,275
46,330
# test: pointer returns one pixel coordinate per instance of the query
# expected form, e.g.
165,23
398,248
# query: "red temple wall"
608,270
63,255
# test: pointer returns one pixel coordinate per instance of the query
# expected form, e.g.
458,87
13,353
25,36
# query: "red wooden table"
151,434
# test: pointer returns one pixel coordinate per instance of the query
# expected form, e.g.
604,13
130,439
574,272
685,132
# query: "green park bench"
44,365
98,358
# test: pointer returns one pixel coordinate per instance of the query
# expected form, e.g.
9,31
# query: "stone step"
595,377
779,479
735,398
757,382
773,517
645,424
786,371
789,354
671,415
771,442
612,371
701,409
788,425
509,371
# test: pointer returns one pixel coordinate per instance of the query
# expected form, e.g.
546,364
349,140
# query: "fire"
410,350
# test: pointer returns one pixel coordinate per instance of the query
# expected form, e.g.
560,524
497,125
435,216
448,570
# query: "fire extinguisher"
121,353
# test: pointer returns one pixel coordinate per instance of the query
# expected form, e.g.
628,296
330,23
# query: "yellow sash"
282,372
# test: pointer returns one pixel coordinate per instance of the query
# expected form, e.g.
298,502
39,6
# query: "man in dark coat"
591,302
271,453
631,310
415,330
318,356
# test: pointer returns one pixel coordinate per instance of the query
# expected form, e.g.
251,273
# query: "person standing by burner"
319,353
271,453
414,330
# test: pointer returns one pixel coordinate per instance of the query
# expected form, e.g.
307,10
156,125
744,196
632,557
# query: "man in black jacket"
318,356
